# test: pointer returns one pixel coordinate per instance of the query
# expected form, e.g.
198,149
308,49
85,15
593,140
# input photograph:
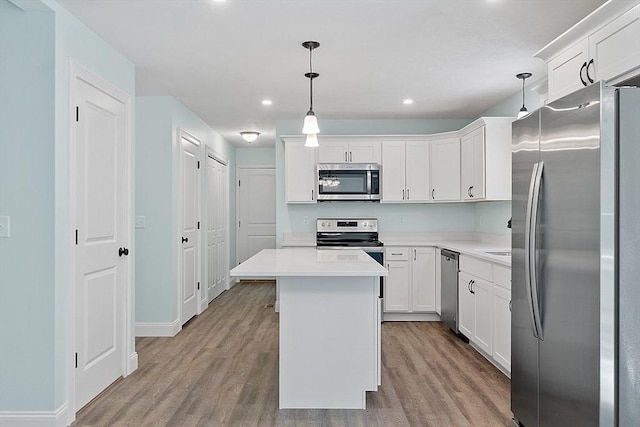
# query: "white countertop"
309,262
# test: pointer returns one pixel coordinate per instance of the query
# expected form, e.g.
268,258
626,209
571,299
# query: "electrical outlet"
401,219
305,220
5,226
140,222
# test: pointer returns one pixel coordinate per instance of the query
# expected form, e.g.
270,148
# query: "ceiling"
454,58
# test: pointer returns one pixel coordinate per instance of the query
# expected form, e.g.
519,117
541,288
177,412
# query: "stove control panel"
346,225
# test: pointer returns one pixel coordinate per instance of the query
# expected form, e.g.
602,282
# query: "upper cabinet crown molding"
589,24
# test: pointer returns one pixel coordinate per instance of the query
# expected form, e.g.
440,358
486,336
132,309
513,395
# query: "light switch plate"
5,226
140,222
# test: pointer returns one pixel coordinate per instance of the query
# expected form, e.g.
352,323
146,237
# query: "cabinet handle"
509,305
350,157
396,253
433,192
414,254
471,191
345,157
469,286
403,194
407,194
473,282
587,69
581,69
312,195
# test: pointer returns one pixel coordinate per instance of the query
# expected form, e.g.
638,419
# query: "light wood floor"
222,370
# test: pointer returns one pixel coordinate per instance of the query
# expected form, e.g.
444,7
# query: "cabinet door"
393,184
466,166
300,173
472,163
612,47
502,326
445,169
438,282
396,287
364,152
417,171
466,305
333,152
565,70
423,279
483,325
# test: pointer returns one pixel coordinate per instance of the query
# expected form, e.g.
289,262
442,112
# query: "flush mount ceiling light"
523,111
310,127
250,136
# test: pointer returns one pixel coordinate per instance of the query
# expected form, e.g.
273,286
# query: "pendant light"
250,136
523,111
310,127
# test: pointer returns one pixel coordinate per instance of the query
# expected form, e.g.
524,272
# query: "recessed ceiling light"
407,101
266,102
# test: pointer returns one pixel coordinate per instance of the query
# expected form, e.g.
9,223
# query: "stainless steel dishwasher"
449,288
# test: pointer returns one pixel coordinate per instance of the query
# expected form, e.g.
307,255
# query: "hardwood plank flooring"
222,370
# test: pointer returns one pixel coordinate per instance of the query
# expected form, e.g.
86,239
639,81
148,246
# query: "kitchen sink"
498,253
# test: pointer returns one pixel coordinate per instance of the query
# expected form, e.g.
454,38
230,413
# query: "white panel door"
101,209
190,205
256,211
417,171
393,184
217,208
423,280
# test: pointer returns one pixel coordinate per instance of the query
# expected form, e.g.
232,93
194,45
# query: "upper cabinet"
445,169
405,171
300,171
603,46
485,159
349,152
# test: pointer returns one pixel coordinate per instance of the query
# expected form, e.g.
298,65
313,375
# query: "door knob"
123,251
185,239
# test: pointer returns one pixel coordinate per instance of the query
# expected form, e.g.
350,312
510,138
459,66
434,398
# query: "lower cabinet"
484,308
410,285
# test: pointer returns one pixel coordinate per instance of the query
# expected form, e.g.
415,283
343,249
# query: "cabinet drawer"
502,276
475,267
396,254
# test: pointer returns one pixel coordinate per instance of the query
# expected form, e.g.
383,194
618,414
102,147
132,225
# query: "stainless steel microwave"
348,181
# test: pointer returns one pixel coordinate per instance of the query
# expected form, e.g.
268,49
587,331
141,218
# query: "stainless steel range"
352,233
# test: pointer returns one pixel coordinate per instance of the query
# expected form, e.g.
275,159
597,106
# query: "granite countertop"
309,262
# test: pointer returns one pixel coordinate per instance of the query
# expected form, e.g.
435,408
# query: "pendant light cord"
523,92
310,80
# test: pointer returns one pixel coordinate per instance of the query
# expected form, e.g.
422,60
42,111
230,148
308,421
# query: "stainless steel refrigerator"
575,331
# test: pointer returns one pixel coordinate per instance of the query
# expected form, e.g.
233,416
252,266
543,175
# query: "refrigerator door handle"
532,250
527,250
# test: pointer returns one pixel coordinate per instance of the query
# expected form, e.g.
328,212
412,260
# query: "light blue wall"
256,156
417,218
27,287
159,120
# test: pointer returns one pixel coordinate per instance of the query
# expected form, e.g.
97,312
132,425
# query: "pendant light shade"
310,126
523,110
311,141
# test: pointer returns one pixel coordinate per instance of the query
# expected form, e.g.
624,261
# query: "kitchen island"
329,324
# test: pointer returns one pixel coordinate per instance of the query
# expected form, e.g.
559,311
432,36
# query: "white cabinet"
603,46
438,282
484,308
349,151
486,159
410,285
405,171
300,172
445,169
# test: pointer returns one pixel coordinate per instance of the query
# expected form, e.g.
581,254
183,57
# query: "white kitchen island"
329,324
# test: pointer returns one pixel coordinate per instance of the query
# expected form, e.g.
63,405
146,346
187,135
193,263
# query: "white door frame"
130,357
210,152
181,133
238,167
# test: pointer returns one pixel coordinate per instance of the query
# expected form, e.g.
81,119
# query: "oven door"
348,182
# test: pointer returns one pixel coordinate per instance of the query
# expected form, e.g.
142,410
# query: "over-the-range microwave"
348,182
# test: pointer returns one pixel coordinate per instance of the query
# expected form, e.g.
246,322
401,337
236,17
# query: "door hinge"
76,236
198,285
198,164
77,113
76,360
198,225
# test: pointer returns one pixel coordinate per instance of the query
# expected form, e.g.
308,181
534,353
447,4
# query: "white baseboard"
276,306
57,418
133,363
410,317
204,304
157,329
